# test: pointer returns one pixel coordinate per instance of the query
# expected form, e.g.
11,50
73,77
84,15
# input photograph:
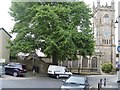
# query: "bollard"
99,86
101,81
104,81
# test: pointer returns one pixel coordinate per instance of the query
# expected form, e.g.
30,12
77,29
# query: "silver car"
76,83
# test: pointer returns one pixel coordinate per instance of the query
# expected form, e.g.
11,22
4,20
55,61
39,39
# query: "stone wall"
43,66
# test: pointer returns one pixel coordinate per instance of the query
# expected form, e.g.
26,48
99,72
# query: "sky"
7,23
6,20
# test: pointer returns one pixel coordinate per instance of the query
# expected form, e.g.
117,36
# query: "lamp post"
111,42
118,48
100,55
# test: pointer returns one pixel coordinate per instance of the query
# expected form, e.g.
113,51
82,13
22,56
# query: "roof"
6,32
38,53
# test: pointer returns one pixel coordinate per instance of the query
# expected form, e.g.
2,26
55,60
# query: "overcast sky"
7,23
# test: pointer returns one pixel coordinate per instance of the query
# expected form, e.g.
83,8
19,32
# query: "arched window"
106,18
102,41
107,41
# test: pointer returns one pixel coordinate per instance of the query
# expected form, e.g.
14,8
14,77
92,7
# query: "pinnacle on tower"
112,4
98,2
106,4
112,1
93,5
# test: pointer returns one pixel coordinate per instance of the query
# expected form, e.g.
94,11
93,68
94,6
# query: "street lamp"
112,40
117,19
118,48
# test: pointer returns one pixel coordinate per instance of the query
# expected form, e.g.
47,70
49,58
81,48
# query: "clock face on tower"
106,33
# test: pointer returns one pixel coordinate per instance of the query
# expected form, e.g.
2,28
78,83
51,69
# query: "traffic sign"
118,48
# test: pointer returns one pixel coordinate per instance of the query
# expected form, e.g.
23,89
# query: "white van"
58,71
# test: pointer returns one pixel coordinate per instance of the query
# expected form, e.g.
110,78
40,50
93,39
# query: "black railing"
79,70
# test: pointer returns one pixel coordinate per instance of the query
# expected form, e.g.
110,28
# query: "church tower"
104,32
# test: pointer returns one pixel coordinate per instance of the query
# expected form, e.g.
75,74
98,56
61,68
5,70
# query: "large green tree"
60,29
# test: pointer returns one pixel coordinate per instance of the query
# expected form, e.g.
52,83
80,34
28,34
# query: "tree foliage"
107,67
53,27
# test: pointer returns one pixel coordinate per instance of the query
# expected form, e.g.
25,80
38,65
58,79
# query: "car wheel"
24,75
15,74
57,76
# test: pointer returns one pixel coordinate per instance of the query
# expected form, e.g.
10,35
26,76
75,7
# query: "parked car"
58,71
76,83
15,69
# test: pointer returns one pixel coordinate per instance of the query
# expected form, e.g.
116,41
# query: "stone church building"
104,31
103,23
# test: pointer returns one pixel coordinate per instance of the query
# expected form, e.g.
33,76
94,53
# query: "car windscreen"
20,66
77,80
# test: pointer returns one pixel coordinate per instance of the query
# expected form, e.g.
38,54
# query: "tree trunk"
54,58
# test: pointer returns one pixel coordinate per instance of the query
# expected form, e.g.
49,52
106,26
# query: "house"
4,51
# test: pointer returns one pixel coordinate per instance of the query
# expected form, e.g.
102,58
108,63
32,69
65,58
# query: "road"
31,82
47,82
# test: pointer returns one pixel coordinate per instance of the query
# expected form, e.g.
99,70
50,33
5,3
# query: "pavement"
31,74
111,82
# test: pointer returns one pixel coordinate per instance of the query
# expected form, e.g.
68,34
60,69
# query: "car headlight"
62,88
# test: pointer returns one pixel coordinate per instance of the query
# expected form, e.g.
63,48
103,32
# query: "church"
103,25
104,31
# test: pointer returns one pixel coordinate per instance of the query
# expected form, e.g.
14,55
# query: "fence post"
79,69
101,82
99,86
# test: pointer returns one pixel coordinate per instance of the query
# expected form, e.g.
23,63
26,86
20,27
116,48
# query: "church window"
102,41
107,41
106,18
